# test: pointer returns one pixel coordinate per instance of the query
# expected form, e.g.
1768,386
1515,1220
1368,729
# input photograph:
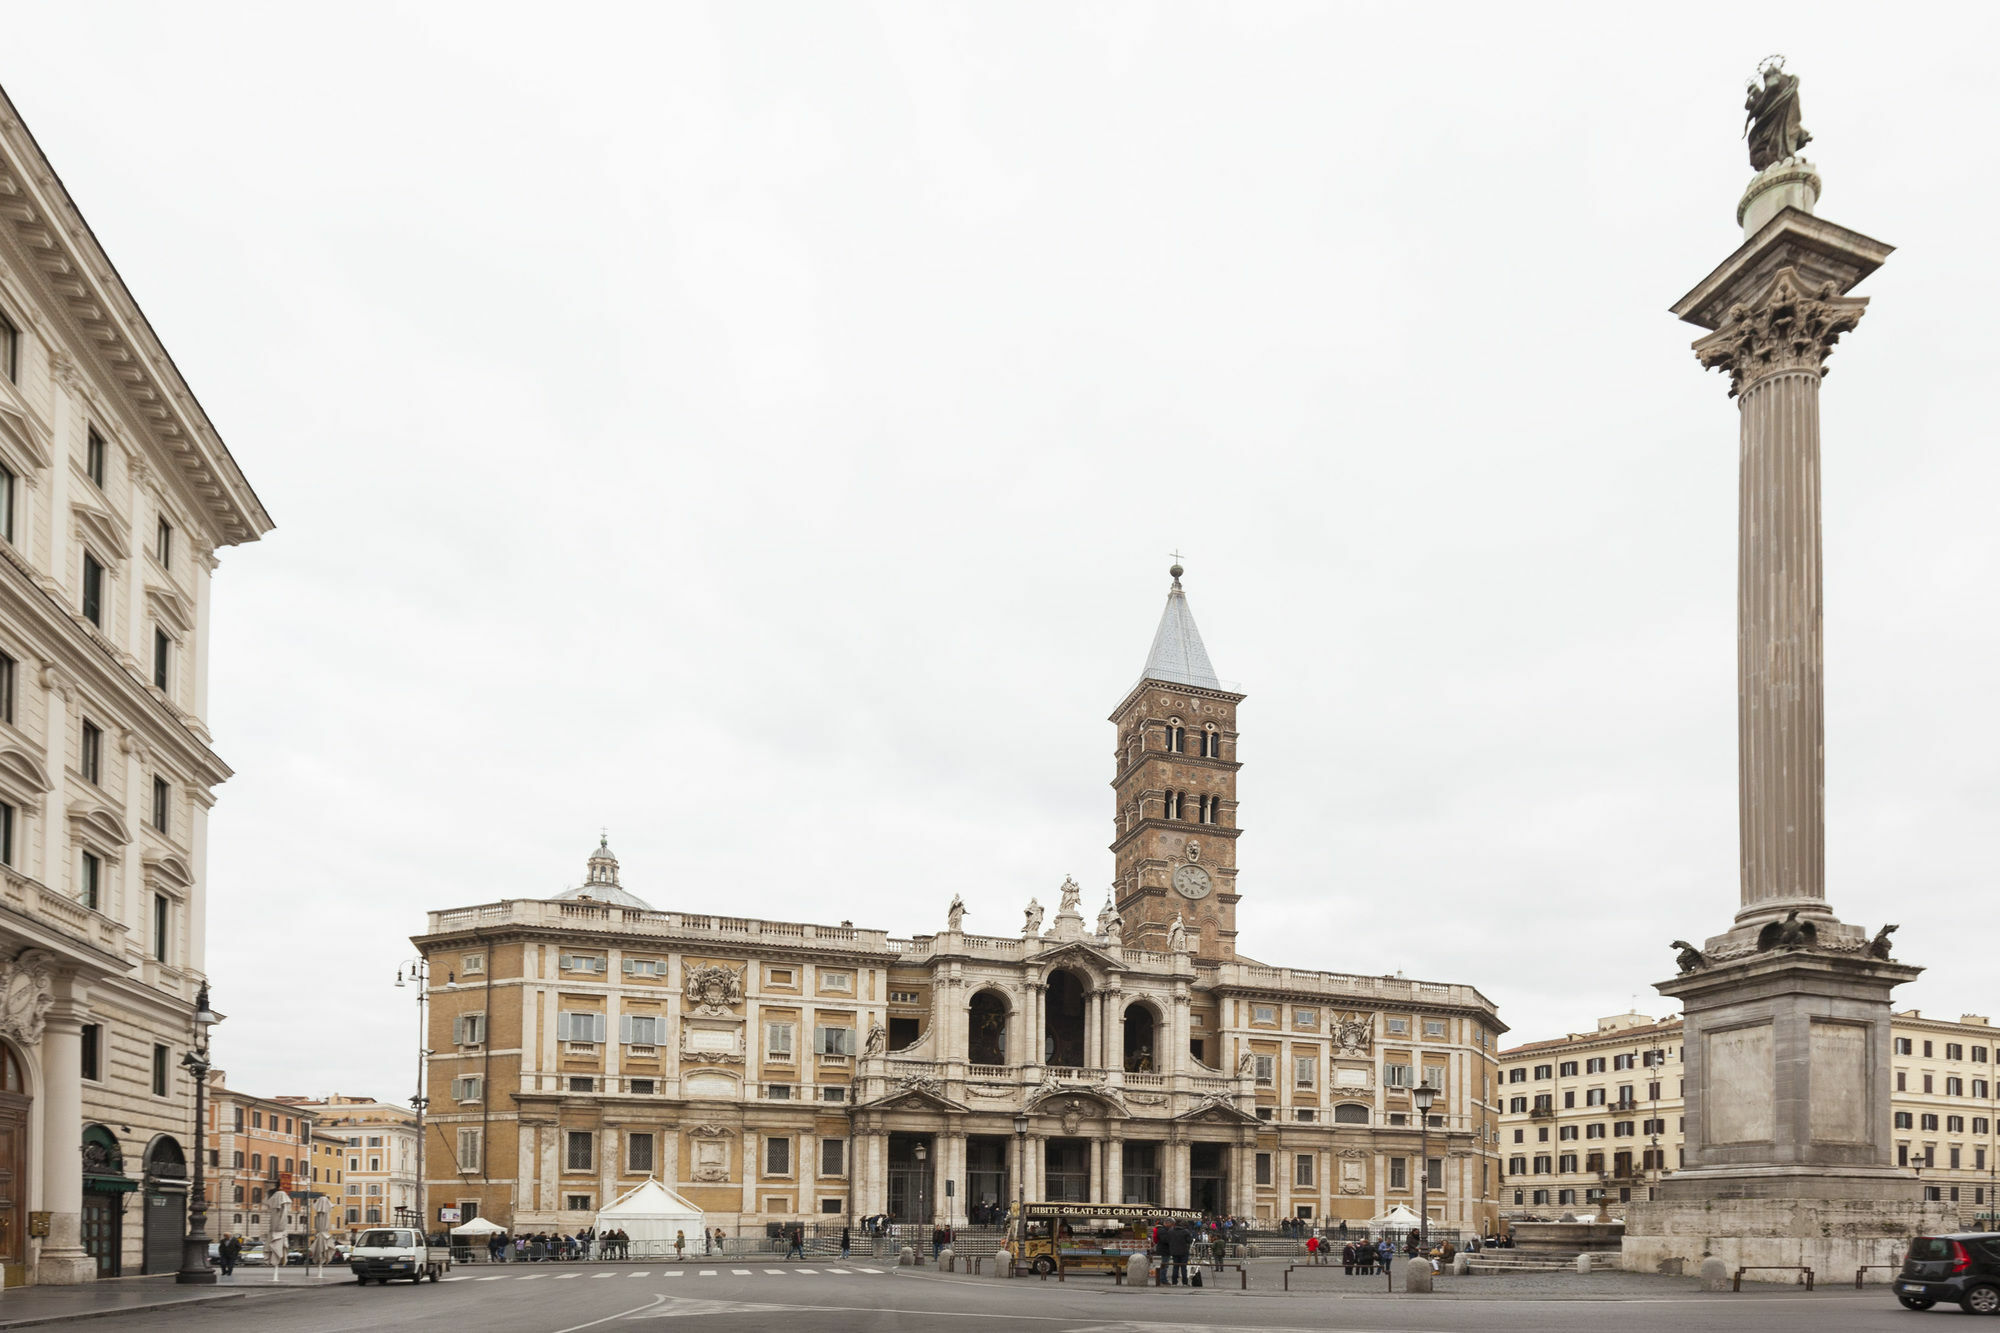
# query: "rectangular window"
581,1147
6,834
162,801
10,349
833,1041
840,981
833,1157
1305,1071
1399,1026
1954,1086
642,1087
163,653
577,1203
1263,1013
7,503
582,1083
163,544
1305,1019
777,1041
833,1092
639,1154
1544,1071
1303,1171
778,976
93,457
1398,1076
472,964
467,1089
92,874
1593,1097
1594,1065
162,924
583,1027
1433,1027
1263,1168
1265,1068
160,1070
1399,1173
1927,1050
1903,1046
7,665
644,967
778,1092
93,1046
777,1157
639,1029
576,962
468,1030
90,753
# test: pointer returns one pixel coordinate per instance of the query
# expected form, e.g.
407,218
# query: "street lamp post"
1423,1095
1021,1171
194,1268
419,971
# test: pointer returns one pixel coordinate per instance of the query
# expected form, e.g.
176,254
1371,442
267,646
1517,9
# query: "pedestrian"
1347,1258
1179,1241
1384,1253
843,1242
680,1245
228,1252
796,1243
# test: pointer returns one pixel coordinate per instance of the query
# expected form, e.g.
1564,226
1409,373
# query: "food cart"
1088,1237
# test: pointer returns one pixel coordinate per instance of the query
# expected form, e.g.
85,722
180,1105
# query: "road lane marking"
566,1277
779,1271
604,1275
706,1272
805,1270
532,1277
740,1272
577,1328
844,1272
876,1271
498,1277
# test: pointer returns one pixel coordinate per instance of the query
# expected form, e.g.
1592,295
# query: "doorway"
14,1104
166,1206
987,1192
910,1166
1208,1177
1068,1171
104,1231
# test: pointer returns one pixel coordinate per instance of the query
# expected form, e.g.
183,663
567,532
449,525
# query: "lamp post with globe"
1423,1095
194,1269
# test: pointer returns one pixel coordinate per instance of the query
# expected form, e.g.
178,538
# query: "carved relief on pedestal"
1791,327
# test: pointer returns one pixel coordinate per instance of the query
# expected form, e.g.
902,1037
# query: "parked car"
1963,1268
254,1256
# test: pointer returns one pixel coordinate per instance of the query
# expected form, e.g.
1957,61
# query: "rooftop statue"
1772,121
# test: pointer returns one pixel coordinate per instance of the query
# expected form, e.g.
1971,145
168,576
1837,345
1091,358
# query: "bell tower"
1174,827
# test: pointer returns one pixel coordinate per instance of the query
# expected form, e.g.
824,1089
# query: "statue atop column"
955,914
1771,121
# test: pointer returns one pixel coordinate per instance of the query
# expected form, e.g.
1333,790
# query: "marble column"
1093,1033
1097,1194
1774,346
63,1260
1114,1170
1037,1168
1177,1174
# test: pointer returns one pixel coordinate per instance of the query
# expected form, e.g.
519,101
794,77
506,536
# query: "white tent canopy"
1398,1217
479,1226
650,1213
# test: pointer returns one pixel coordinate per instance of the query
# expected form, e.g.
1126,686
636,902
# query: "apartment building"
1592,1120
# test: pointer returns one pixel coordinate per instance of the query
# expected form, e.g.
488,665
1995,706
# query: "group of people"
536,1247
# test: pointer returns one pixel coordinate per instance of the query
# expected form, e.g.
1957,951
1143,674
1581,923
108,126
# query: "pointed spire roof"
1178,654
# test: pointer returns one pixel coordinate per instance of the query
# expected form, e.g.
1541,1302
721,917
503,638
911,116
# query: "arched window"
986,1035
1142,1045
1062,1035
1350,1113
11,1078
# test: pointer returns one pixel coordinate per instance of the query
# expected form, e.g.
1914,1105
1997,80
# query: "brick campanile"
1174,823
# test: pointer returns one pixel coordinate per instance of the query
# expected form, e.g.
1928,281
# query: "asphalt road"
744,1296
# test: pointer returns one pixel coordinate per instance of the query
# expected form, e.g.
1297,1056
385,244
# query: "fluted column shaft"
1781,789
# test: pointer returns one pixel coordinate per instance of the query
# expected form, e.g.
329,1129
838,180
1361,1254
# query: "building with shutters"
259,1153
378,1142
1592,1120
116,494
778,1071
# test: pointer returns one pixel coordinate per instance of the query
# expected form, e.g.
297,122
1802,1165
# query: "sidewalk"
23,1307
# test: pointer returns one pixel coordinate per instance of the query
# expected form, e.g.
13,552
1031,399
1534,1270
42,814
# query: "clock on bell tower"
1174,834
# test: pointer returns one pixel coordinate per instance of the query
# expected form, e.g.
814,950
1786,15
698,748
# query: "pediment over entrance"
1092,961
914,1092
1216,1110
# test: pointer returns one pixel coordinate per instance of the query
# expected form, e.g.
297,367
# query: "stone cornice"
121,343
1169,757
1192,691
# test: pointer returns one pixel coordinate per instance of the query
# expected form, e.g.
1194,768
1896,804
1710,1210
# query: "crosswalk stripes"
665,1273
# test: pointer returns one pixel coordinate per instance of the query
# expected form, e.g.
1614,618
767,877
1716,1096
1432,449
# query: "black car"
1963,1267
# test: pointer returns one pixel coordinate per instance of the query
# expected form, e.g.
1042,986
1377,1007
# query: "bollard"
1003,1263
1461,1265
906,1258
1583,1264
1135,1270
1714,1275
947,1260
1416,1275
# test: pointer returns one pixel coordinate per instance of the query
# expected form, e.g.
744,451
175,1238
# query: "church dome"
600,881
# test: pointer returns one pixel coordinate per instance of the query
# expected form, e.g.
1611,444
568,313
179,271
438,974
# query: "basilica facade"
778,1071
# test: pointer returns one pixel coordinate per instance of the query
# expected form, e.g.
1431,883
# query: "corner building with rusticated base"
776,1071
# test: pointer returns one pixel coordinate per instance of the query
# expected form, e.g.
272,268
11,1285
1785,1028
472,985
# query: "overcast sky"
760,430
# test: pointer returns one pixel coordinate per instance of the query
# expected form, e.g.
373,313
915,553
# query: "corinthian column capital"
1791,327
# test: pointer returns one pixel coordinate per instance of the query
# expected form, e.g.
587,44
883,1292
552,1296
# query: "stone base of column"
64,1265
1835,1237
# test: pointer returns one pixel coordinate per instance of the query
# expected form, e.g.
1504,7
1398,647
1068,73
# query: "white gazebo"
1397,1218
650,1214
479,1228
